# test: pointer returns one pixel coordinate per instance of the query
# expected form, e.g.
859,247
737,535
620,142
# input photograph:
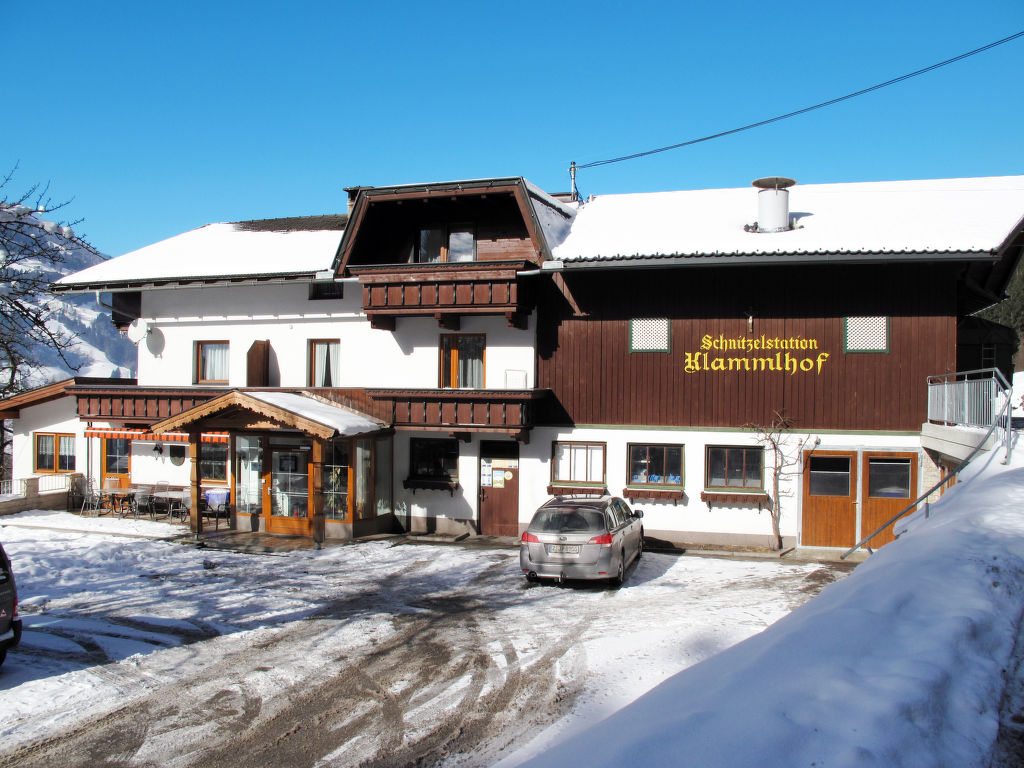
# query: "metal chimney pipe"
773,203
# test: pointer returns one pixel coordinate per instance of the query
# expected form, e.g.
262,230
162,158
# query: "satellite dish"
138,330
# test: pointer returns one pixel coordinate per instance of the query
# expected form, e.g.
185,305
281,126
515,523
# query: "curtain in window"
326,363
471,361
66,458
44,453
214,362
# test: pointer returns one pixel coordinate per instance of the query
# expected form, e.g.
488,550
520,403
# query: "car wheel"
3,655
640,546
620,574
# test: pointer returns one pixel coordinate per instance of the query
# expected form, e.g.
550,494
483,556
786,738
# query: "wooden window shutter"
257,364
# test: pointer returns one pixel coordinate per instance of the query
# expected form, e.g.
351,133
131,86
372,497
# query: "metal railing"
45,484
48,483
972,399
956,400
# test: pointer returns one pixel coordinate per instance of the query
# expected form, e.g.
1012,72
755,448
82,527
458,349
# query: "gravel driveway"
143,653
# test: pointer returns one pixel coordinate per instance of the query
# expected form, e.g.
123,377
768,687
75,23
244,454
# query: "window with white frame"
578,463
211,362
324,362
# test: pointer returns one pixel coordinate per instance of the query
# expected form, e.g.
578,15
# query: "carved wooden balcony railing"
444,291
461,411
123,405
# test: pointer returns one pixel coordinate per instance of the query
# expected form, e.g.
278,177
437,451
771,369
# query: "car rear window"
567,520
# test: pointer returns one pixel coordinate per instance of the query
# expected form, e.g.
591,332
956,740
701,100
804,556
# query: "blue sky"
157,117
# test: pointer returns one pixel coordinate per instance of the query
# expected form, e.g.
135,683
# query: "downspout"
99,301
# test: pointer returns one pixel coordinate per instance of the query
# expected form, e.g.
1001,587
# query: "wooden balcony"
444,291
133,405
462,411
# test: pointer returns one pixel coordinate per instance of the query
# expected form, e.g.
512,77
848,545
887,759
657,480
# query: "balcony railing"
499,411
980,398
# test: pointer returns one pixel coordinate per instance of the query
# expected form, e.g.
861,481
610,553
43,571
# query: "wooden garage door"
829,499
890,484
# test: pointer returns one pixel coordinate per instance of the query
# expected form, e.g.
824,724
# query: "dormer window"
452,242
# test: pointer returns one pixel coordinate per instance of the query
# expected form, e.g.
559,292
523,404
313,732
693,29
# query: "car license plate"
565,549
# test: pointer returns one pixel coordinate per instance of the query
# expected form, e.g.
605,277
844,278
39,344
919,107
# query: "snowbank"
900,663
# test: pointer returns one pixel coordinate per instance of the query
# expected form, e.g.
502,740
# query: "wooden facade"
444,291
133,405
584,357
461,410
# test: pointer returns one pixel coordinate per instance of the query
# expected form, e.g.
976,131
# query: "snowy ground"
147,652
916,659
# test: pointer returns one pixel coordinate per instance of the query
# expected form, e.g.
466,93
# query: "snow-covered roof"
345,421
933,216
229,250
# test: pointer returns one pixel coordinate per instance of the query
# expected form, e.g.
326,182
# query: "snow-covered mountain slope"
97,349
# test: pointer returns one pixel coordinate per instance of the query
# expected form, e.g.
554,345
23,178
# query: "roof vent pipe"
773,203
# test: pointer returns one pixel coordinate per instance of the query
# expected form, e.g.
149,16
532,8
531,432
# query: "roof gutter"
701,260
547,266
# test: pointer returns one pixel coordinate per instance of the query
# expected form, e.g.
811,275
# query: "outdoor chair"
142,503
92,502
180,505
215,504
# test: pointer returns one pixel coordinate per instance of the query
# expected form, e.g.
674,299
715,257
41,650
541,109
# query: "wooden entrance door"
890,484
830,499
286,492
499,488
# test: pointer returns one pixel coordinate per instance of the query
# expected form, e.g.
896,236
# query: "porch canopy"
267,411
260,410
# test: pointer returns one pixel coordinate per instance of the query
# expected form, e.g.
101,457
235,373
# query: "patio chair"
142,502
215,504
181,505
92,502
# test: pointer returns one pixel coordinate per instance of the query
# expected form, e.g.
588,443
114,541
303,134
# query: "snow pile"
900,663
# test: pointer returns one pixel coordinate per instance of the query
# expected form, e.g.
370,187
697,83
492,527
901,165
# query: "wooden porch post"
195,517
319,523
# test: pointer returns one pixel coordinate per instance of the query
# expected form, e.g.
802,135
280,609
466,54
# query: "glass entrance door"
249,478
288,490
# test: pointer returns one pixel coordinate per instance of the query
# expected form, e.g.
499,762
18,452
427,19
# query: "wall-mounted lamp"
158,449
750,320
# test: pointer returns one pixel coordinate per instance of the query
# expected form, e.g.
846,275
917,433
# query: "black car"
10,623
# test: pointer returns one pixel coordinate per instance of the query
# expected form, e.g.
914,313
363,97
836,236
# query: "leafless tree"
782,445
32,243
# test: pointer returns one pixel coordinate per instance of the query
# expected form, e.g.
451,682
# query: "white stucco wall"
57,416
405,358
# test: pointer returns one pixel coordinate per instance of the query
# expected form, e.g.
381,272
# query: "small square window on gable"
650,334
866,334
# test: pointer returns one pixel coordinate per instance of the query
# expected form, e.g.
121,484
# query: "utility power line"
823,104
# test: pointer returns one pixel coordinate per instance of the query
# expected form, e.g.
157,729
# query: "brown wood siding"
586,360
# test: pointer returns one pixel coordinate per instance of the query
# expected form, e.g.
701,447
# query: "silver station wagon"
581,537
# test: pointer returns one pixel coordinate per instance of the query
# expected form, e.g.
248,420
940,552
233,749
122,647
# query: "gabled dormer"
449,249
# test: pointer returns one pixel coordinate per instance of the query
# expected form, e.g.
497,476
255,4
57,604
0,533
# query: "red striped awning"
141,434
